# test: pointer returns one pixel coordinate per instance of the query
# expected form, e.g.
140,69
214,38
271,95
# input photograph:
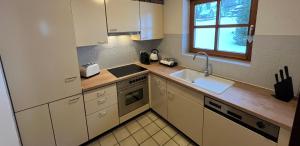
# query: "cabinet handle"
101,94
101,42
113,30
71,79
71,101
101,114
101,101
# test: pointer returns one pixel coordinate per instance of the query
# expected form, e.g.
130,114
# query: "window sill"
221,60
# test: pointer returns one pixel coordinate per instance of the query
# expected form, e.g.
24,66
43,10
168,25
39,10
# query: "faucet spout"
206,71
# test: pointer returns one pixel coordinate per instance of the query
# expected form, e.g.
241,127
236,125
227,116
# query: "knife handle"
286,70
276,77
281,75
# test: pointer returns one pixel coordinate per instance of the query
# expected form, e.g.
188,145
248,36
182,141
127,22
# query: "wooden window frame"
215,52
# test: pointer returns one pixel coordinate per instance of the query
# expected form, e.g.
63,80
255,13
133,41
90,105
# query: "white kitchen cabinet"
102,121
123,16
89,22
151,17
35,127
159,100
38,51
220,131
69,122
185,111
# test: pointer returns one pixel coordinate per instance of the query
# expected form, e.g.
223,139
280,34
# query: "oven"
132,94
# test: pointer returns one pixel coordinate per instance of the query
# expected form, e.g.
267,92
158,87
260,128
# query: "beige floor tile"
182,141
133,126
152,128
149,142
108,140
170,131
161,137
94,143
140,136
171,143
121,133
152,116
128,142
144,120
160,123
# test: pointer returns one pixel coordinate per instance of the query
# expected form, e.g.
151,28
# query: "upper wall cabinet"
151,17
89,22
123,16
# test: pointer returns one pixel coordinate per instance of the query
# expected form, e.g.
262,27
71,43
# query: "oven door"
132,98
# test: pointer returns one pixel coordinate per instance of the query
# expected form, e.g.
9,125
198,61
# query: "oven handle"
131,89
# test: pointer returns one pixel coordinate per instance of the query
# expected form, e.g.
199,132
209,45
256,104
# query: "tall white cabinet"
89,22
39,55
38,50
123,16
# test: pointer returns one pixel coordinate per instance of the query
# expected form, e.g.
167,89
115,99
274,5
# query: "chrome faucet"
206,71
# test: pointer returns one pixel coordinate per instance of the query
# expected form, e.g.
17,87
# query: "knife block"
284,90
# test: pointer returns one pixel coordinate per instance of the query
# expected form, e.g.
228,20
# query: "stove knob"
260,125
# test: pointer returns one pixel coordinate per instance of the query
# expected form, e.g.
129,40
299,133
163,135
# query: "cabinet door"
185,113
38,51
35,127
123,16
69,122
89,21
159,101
220,131
151,21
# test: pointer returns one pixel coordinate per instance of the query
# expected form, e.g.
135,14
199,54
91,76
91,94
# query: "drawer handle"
101,101
101,94
71,79
101,114
74,100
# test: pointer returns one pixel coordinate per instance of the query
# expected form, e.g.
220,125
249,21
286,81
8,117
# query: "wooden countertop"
251,99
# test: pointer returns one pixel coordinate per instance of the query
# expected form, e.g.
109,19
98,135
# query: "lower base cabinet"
35,127
185,111
220,131
69,123
102,121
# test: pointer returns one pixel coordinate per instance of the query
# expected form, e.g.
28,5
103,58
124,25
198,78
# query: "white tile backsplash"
118,51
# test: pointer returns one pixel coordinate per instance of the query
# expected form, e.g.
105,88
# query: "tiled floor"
145,130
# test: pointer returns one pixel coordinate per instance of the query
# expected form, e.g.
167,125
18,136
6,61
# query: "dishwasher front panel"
221,131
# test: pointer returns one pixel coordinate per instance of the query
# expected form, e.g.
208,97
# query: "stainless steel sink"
198,80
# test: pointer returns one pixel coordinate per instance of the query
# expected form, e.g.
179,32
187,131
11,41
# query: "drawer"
102,121
110,90
97,104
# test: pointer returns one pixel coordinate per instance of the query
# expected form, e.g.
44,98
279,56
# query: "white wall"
274,46
278,17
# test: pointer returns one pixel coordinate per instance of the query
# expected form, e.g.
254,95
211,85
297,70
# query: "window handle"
251,34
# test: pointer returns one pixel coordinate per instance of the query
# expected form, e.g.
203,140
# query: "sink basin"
198,80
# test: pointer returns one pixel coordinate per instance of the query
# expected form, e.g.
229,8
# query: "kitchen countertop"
248,98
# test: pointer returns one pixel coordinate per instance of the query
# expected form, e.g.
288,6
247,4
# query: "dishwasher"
227,126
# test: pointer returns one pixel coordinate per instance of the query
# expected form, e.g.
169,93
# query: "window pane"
233,40
205,14
235,11
204,38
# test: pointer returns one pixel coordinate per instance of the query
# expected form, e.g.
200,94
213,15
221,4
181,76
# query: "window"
223,27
